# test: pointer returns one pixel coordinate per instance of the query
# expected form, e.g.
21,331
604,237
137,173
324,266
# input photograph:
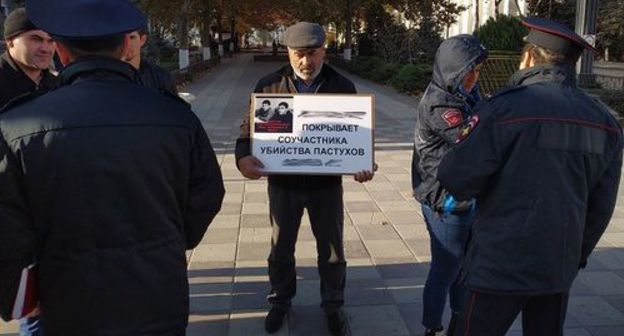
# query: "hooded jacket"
544,164
439,116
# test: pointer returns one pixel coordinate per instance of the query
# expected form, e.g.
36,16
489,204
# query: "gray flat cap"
304,35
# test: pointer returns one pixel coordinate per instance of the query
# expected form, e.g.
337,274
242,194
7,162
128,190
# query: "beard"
307,75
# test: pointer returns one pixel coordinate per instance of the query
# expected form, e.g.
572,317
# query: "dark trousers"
325,210
492,315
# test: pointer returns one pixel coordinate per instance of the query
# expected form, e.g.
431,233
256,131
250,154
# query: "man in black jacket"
24,66
290,194
543,160
152,76
107,181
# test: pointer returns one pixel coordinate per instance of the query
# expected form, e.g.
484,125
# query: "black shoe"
275,319
337,322
434,332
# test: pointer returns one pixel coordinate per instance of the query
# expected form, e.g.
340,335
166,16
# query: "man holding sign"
289,195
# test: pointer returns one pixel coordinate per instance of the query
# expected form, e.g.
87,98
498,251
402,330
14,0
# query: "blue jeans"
448,235
30,326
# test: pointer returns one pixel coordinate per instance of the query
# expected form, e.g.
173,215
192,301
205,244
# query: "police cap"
555,36
85,19
304,35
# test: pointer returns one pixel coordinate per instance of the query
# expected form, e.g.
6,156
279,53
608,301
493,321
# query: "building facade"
467,20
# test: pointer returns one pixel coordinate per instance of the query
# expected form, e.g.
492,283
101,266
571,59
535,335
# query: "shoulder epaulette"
19,100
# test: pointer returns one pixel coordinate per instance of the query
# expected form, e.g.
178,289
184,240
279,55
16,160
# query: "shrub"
384,73
412,78
364,65
502,33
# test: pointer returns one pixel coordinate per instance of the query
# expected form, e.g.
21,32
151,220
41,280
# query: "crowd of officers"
107,178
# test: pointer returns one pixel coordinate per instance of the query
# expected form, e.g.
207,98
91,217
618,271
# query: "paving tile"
367,292
616,301
361,207
233,208
307,321
210,297
412,231
377,320
251,323
208,324
387,196
379,186
420,246
256,208
387,249
401,268
361,196
412,316
225,221
9,329
256,187
406,290
378,232
255,221
211,272
220,236
259,196
367,218
613,259
253,251
214,252
606,331
603,283
402,205
308,293
403,217
355,249
234,187
255,235
361,269
232,197
250,295
305,250
251,271
594,311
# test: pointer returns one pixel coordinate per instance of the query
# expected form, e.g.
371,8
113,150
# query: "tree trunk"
477,12
183,60
348,28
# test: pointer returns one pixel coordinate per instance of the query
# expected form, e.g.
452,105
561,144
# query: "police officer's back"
115,179
544,163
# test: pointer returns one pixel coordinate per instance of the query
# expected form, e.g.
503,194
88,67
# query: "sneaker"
435,332
337,322
275,319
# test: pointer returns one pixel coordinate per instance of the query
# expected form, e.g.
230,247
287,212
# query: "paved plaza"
386,243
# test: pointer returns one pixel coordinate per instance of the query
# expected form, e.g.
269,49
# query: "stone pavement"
386,242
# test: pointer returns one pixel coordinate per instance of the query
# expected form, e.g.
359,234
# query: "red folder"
26,298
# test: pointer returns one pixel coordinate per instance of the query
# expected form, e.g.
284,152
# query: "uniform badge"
452,117
465,131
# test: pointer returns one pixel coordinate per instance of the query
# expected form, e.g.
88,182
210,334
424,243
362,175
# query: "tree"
562,11
610,28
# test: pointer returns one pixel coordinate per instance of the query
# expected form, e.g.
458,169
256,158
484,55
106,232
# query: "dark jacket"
14,82
544,163
155,77
441,111
282,81
116,181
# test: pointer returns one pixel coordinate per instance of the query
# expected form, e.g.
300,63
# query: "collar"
548,73
91,64
6,57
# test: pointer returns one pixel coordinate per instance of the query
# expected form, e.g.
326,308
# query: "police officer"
289,195
543,160
444,108
107,181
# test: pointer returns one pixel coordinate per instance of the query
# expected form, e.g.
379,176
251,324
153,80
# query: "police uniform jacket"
544,164
440,113
116,181
155,77
14,82
282,81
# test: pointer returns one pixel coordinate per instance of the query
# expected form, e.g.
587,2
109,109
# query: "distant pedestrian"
543,160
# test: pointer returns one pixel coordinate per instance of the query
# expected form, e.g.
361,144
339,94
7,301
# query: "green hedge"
411,79
502,33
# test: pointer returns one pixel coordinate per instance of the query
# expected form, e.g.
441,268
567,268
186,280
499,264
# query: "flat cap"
555,36
304,35
85,19
17,22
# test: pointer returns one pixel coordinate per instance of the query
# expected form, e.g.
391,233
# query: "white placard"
313,133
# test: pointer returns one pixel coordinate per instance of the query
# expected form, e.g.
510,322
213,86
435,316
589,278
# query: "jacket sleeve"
445,122
600,205
17,236
206,189
469,165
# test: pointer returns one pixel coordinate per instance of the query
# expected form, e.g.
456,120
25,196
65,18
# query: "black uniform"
544,164
290,194
116,181
155,77
14,82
